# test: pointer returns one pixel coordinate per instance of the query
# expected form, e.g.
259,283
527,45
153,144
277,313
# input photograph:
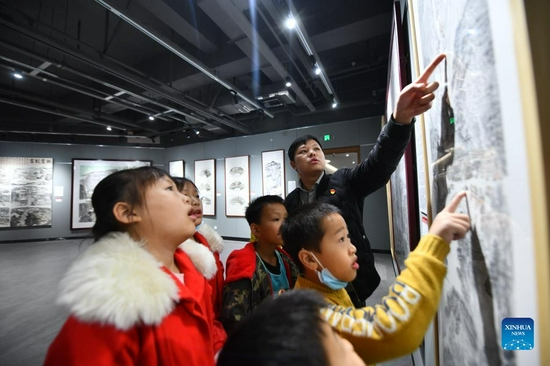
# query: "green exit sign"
326,138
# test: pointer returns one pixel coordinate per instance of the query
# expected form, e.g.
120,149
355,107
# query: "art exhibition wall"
362,132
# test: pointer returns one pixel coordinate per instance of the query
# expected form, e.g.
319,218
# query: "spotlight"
317,70
188,135
151,118
288,82
18,74
109,128
197,132
290,22
334,104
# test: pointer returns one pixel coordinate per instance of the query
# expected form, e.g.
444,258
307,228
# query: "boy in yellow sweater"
317,238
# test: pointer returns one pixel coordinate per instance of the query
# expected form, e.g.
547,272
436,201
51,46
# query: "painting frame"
237,185
205,180
400,188
85,175
482,295
273,173
176,168
26,190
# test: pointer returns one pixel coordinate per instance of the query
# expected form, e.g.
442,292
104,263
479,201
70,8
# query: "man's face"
309,158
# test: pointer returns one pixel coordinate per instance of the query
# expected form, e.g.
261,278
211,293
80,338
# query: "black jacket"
347,189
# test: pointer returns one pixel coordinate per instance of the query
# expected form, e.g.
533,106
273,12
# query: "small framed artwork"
87,173
273,173
205,179
237,185
177,168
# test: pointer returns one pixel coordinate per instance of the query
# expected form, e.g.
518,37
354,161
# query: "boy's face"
267,231
337,252
339,351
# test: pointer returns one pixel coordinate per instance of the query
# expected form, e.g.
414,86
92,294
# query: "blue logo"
518,334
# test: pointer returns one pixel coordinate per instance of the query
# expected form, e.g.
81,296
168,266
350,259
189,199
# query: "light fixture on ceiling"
290,22
317,70
288,83
18,74
151,118
187,135
109,128
197,132
334,104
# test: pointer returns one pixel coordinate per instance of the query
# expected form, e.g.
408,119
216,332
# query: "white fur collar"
214,239
201,256
115,281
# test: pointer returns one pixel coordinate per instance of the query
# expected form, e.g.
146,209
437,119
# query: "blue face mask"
328,278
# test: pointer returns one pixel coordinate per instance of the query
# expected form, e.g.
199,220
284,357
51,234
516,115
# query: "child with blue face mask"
316,237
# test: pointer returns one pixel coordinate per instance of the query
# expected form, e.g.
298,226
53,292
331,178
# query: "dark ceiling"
216,67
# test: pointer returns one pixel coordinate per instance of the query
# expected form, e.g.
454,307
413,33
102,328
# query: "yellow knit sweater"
397,326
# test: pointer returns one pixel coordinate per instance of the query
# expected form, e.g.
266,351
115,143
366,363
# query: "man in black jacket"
347,188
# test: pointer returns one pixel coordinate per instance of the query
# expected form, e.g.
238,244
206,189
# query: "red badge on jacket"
332,191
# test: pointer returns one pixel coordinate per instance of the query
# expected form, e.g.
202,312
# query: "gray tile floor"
29,318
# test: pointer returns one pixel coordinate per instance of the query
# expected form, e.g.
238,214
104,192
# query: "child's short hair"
285,330
303,228
253,212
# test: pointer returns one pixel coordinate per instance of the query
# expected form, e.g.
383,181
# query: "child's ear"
307,260
124,214
254,229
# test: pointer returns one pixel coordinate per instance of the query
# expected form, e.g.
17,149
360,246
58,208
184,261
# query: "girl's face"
191,191
166,215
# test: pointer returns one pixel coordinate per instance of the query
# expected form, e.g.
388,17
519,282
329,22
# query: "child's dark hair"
123,186
180,183
253,212
285,330
303,228
299,142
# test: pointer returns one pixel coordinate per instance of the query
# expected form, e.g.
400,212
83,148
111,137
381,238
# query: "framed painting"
273,173
176,168
400,188
237,185
475,138
25,192
205,180
86,174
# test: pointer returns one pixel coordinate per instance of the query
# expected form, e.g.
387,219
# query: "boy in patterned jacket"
262,268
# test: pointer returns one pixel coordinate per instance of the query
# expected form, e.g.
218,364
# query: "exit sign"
326,138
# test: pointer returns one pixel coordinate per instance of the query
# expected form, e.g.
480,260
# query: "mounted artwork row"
237,181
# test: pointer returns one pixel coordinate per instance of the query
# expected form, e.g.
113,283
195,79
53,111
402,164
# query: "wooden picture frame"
476,140
237,185
205,180
273,173
176,168
86,174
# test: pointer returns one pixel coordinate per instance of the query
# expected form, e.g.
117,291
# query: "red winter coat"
127,310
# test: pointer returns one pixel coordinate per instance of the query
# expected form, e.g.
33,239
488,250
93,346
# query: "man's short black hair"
299,142
303,228
253,212
284,330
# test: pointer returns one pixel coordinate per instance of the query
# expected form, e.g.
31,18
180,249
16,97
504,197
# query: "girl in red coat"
210,239
134,297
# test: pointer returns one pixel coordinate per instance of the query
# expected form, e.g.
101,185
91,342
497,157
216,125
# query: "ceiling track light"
290,22
109,128
18,74
151,118
288,82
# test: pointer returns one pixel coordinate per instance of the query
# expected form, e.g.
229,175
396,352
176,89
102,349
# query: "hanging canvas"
273,173
205,180
25,192
474,141
237,185
87,173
